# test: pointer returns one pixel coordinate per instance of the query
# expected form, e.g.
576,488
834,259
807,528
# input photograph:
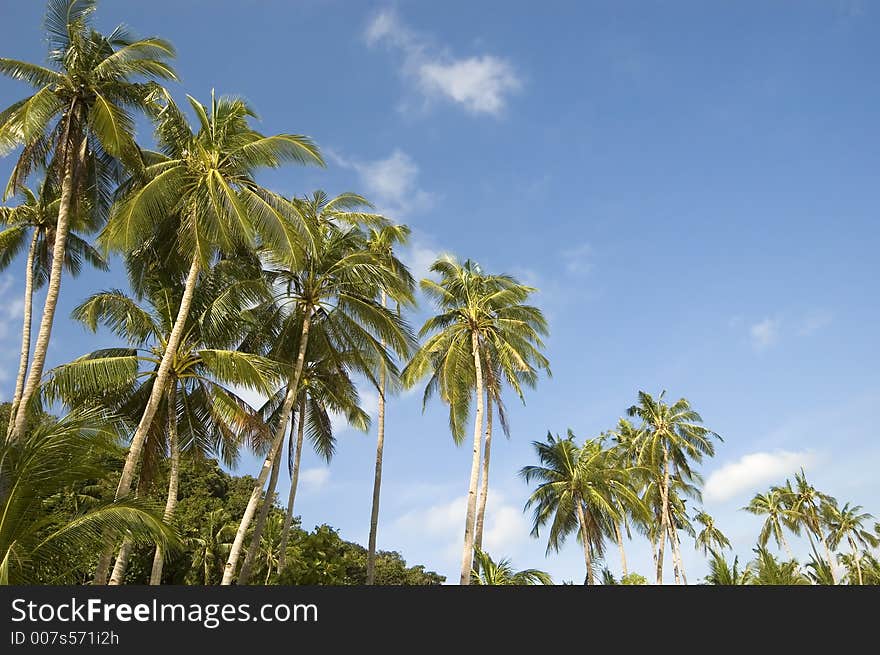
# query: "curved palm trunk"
294,481
256,494
855,552
484,480
121,564
467,554
785,545
828,556
664,507
619,537
244,576
160,384
377,478
27,320
173,482
74,160
676,553
585,541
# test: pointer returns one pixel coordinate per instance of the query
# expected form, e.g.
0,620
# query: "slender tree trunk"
244,575
256,494
118,576
664,505
484,479
676,552
654,552
173,481
27,321
855,552
619,538
785,545
828,555
294,481
467,555
585,541
377,477
160,385
74,159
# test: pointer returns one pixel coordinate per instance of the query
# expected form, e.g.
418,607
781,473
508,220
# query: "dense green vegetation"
233,286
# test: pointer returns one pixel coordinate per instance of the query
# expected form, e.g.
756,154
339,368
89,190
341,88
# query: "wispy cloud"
391,183
750,472
764,333
814,322
578,259
479,84
314,479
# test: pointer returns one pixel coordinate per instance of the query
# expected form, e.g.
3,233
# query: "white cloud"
391,183
505,527
579,259
765,333
314,479
480,84
813,322
418,257
751,471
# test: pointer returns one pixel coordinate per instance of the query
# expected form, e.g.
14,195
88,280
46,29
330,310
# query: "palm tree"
806,504
722,573
46,462
847,522
478,312
670,438
33,222
767,570
334,283
772,505
326,388
489,572
210,545
198,397
381,242
79,124
204,181
710,535
632,509
576,492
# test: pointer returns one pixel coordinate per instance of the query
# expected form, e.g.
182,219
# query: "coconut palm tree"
478,312
198,397
806,504
79,125
210,546
46,462
334,283
722,573
710,535
767,570
489,572
326,388
382,241
847,522
576,493
33,222
670,439
779,517
203,181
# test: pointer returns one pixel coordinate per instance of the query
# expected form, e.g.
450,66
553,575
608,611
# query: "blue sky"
692,186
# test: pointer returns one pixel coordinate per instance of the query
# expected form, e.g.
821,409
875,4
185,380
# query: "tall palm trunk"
856,557
244,576
664,513
27,321
619,536
484,479
256,494
585,541
173,482
785,545
467,554
294,481
160,385
678,566
827,555
74,157
377,478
